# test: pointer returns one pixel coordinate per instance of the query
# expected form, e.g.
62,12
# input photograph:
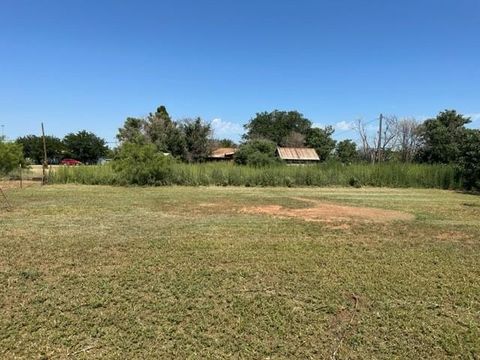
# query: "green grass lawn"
185,272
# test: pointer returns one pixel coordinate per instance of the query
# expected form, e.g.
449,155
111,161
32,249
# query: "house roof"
223,152
302,154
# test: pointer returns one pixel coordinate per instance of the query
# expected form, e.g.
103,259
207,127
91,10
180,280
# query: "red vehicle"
70,162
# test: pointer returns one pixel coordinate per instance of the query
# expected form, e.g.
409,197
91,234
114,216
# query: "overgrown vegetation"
138,164
11,157
147,172
260,152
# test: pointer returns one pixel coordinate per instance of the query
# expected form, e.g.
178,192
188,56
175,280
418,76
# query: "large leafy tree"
321,140
167,136
11,156
33,148
277,126
188,140
197,137
85,146
346,151
442,137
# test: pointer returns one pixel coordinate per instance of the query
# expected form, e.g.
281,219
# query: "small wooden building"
222,154
298,155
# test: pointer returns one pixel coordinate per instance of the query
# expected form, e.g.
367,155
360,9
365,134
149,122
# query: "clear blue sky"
84,64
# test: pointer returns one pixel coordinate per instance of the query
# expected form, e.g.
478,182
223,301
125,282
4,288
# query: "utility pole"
3,131
45,161
379,137
21,175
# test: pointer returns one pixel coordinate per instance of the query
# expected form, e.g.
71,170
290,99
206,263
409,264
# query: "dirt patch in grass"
328,212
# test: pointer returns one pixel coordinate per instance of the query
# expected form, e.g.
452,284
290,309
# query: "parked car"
70,162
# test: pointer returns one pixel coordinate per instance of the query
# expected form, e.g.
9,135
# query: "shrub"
355,182
142,165
11,156
256,153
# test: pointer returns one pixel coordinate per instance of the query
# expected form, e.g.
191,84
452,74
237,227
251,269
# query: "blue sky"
84,64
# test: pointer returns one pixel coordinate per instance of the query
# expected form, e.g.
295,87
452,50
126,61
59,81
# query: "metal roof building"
297,155
222,154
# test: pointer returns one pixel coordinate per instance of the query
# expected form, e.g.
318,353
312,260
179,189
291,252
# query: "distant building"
298,155
222,154
103,161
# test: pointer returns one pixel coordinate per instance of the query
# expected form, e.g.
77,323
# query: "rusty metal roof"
223,152
302,154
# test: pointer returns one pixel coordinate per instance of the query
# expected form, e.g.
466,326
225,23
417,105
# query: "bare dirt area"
328,212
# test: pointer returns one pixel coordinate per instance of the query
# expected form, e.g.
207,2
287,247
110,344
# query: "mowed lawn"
214,272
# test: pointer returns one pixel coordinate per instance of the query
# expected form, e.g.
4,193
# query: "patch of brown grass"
328,212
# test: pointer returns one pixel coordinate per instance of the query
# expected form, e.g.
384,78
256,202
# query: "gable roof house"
298,155
222,154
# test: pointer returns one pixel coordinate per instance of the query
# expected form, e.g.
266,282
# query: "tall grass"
89,175
326,174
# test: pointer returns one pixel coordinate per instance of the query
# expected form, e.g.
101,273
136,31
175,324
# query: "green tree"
165,134
469,160
259,152
133,131
33,148
442,137
222,143
85,146
321,140
11,156
176,143
197,136
346,151
156,126
277,126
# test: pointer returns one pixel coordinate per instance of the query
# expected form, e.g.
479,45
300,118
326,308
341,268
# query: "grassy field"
223,272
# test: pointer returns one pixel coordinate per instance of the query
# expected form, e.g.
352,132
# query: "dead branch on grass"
342,338
84,350
9,206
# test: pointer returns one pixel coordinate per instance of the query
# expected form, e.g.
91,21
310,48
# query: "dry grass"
327,212
178,272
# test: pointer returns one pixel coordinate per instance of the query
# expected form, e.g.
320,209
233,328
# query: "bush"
256,153
11,156
142,165
355,182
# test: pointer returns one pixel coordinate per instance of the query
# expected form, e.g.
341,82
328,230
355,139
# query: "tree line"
444,139
83,146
